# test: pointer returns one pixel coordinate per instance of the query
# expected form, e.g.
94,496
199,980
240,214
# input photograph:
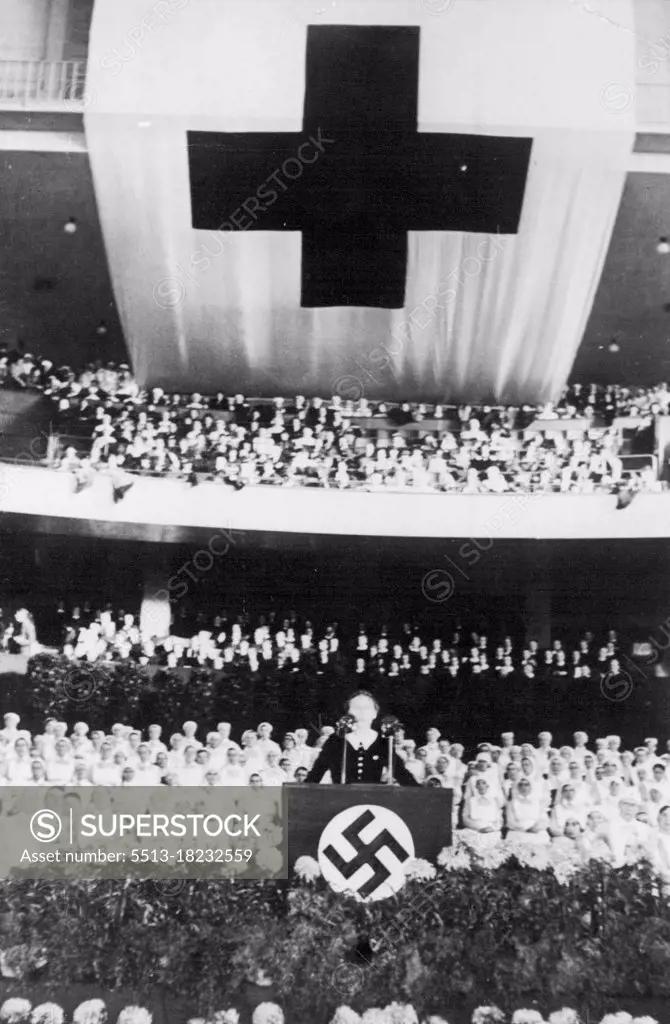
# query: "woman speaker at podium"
357,752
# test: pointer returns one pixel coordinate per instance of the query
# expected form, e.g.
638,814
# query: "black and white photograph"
334,511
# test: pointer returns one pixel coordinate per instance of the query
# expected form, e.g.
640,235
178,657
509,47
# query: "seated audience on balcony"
111,381
117,428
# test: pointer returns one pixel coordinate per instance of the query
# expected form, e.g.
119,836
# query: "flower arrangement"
375,1016
515,934
455,858
47,1013
488,1015
397,1013
93,1011
307,869
564,1016
345,1015
14,1011
268,1013
21,960
220,1017
134,1015
401,1013
418,870
225,1017
626,1018
466,854
270,859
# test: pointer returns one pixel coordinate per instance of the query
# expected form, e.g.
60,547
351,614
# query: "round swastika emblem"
362,851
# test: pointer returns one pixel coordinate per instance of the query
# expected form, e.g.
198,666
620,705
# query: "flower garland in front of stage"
475,851
94,1011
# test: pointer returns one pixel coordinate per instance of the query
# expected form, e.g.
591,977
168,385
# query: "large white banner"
486,314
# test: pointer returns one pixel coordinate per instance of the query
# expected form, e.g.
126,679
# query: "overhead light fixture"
614,347
101,328
71,226
663,247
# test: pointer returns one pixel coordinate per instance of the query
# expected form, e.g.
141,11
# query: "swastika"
366,853
393,839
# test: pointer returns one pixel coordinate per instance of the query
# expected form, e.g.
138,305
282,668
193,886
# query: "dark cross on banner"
375,176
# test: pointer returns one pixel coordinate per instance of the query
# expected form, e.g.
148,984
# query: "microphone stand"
390,724
344,726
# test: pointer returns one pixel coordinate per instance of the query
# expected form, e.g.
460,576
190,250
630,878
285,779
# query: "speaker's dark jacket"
362,765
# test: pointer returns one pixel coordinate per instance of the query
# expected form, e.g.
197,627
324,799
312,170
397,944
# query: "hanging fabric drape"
491,309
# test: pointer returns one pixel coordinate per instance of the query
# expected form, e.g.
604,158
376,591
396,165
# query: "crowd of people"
605,801
89,634
599,402
106,422
607,798
285,664
600,801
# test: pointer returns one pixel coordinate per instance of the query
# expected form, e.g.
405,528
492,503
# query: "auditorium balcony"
52,482
36,498
43,54
43,85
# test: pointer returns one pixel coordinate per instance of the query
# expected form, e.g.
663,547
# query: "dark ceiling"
632,305
55,289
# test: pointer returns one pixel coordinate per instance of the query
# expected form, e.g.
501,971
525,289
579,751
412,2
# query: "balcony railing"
57,85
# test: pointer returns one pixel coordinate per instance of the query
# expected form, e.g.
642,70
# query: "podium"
426,812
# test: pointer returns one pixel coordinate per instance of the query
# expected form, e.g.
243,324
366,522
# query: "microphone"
345,724
390,725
